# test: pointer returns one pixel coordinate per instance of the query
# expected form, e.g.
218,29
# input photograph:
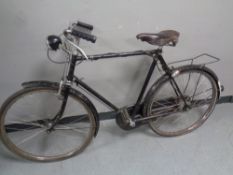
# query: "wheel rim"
26,119
170,117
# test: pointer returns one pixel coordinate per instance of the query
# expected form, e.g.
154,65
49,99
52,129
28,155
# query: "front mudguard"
31,84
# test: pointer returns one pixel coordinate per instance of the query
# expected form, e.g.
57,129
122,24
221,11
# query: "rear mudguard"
176,72
31,84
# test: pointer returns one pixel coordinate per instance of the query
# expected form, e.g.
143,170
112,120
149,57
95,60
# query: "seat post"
165,67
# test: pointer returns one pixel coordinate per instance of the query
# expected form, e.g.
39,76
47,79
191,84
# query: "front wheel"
174,115
25,119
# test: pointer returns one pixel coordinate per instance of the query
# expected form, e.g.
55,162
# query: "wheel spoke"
166,108
186,87
201,102
72,119
205,91
164,102
24,122
30,137
198,81
166,113
10,129
76,129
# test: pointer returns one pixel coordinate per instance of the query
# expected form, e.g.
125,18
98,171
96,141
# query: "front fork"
63,92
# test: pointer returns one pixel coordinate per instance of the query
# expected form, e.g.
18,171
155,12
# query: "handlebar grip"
83,35
85,25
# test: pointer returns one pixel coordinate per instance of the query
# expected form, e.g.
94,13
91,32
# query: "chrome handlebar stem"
67,34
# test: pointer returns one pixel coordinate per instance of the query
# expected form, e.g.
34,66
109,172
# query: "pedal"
132,123
124,120
222,88
127,117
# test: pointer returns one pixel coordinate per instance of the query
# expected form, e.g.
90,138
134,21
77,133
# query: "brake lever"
80,50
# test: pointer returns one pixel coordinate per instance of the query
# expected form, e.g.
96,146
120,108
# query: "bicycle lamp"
53,42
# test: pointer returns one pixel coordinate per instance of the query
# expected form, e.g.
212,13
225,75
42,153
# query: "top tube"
120,54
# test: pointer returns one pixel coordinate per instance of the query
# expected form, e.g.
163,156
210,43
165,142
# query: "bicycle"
36,121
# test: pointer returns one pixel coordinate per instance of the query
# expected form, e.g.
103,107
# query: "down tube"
96,94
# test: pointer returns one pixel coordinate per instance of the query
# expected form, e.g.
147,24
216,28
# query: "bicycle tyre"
19,120
163,104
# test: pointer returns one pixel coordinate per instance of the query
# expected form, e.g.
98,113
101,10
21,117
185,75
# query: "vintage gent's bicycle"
49,121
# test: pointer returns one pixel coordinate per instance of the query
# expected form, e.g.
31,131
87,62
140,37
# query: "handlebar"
76,31
85,25
83,35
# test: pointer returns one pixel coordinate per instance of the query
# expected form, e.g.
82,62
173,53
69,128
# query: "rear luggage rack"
208,59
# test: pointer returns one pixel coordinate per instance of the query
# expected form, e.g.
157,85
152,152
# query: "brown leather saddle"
163,38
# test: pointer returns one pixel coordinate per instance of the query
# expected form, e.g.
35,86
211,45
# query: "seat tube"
148,77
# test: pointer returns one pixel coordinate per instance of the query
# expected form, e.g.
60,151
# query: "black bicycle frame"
155,54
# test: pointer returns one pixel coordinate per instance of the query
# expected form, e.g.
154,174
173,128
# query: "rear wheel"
25,119
171,115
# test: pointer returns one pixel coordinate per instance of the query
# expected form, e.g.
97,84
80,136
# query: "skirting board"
112,114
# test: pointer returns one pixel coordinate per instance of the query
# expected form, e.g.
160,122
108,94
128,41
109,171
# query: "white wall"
205,26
